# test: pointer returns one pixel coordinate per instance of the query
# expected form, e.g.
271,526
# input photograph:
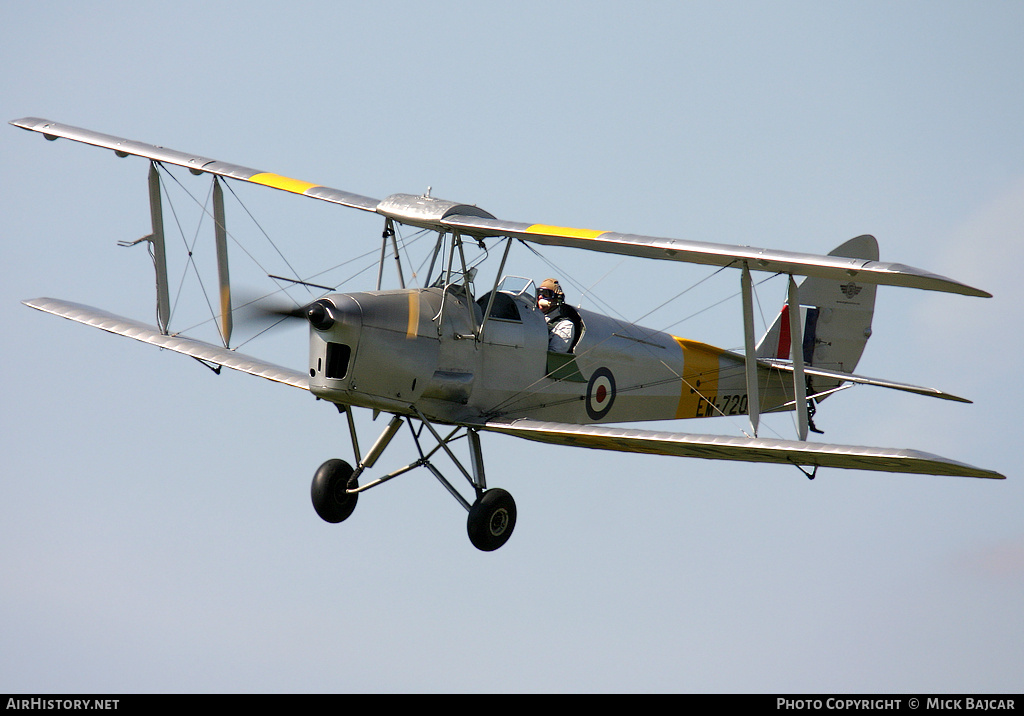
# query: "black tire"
491,520
330,500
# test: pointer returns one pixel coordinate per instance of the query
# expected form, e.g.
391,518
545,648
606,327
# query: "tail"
836,318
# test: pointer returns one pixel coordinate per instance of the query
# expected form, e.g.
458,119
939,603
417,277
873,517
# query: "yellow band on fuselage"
700,379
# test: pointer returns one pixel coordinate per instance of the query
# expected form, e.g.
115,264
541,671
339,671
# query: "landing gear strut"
492,516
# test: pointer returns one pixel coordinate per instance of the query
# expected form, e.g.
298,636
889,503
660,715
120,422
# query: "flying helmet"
550,290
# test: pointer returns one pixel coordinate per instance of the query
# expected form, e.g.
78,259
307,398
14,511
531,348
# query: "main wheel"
330,500
491,520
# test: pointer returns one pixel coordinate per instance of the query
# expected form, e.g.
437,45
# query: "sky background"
158,533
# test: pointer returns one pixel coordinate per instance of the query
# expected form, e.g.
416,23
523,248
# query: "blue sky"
159,535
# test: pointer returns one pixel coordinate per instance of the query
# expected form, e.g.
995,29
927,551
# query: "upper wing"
441,215
720,447
699,252
189,346
195,163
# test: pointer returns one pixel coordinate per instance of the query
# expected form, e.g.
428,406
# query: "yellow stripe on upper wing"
564,231
279,182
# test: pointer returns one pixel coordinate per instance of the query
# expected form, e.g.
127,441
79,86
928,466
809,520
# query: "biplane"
451,362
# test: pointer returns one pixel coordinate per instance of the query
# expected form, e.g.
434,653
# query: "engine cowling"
374,349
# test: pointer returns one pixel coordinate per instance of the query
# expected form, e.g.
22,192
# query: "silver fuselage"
391,350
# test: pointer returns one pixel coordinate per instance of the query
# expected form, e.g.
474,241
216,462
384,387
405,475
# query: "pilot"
561,329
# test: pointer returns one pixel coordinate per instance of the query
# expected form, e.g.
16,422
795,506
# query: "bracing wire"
405,244
265,234
189,249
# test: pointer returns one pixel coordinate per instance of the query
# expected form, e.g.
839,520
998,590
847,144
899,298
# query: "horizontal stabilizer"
180,344
721,447
864,380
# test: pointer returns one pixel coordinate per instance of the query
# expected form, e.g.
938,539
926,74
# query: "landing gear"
491,520
329,491
492,516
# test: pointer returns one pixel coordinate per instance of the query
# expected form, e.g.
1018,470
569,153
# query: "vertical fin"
834,316
782,351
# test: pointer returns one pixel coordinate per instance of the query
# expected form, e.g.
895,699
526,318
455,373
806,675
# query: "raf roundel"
600,393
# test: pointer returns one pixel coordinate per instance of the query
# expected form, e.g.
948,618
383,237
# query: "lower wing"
720,447
189,346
